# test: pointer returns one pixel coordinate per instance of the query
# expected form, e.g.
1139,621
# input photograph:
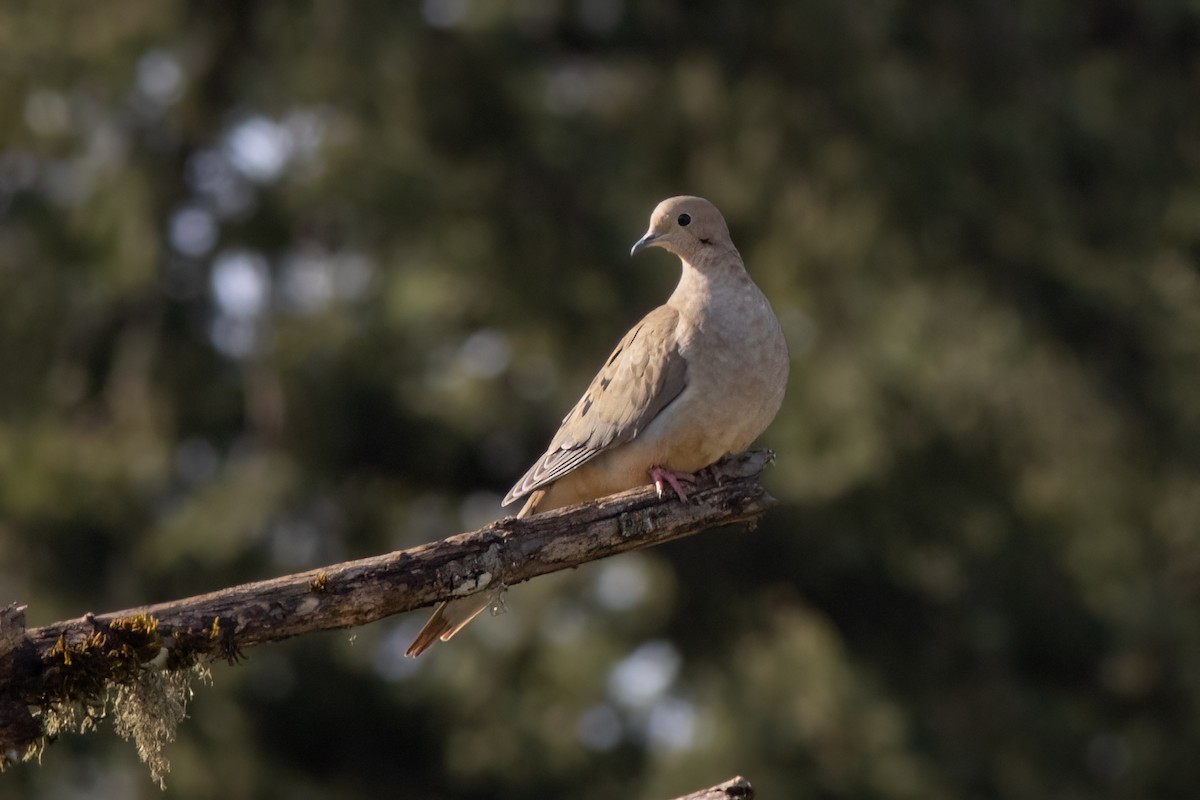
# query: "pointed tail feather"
448,619
453,615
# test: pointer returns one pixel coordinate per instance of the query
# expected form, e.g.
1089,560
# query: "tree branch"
79,660
733,789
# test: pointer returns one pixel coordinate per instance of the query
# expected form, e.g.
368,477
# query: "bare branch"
80,659
733,789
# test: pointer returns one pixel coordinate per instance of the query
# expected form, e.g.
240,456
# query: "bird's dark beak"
643,243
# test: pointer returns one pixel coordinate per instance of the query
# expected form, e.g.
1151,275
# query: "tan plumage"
644,373
698,378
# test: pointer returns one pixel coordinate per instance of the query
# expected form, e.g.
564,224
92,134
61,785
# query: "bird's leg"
665,477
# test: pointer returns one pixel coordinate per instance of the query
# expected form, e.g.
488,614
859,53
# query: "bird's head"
686,226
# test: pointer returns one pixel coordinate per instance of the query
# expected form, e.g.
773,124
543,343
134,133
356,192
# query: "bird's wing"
642,376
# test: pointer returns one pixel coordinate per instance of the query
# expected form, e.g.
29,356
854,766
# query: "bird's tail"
448,619
453,615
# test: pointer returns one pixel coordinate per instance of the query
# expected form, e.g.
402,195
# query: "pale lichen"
123,668
146,710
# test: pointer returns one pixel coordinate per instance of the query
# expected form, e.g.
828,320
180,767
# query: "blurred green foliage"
282,284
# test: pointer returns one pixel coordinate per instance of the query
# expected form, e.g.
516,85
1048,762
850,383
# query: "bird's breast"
737,372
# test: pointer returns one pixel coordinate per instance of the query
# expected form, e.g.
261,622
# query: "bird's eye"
684,219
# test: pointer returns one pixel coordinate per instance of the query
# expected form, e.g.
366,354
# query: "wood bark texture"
504,553
733,789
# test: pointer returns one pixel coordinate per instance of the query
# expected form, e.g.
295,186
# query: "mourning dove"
695,380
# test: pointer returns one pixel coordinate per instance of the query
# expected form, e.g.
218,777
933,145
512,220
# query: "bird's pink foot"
665,477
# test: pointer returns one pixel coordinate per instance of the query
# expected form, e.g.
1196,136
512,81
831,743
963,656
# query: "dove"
698,378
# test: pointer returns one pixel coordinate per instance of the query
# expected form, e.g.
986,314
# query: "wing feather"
642,376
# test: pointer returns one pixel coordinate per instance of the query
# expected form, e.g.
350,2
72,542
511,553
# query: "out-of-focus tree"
286,283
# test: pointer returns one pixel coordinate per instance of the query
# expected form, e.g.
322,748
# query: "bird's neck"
706,277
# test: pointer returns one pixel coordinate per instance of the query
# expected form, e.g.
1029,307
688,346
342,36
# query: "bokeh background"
286,284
